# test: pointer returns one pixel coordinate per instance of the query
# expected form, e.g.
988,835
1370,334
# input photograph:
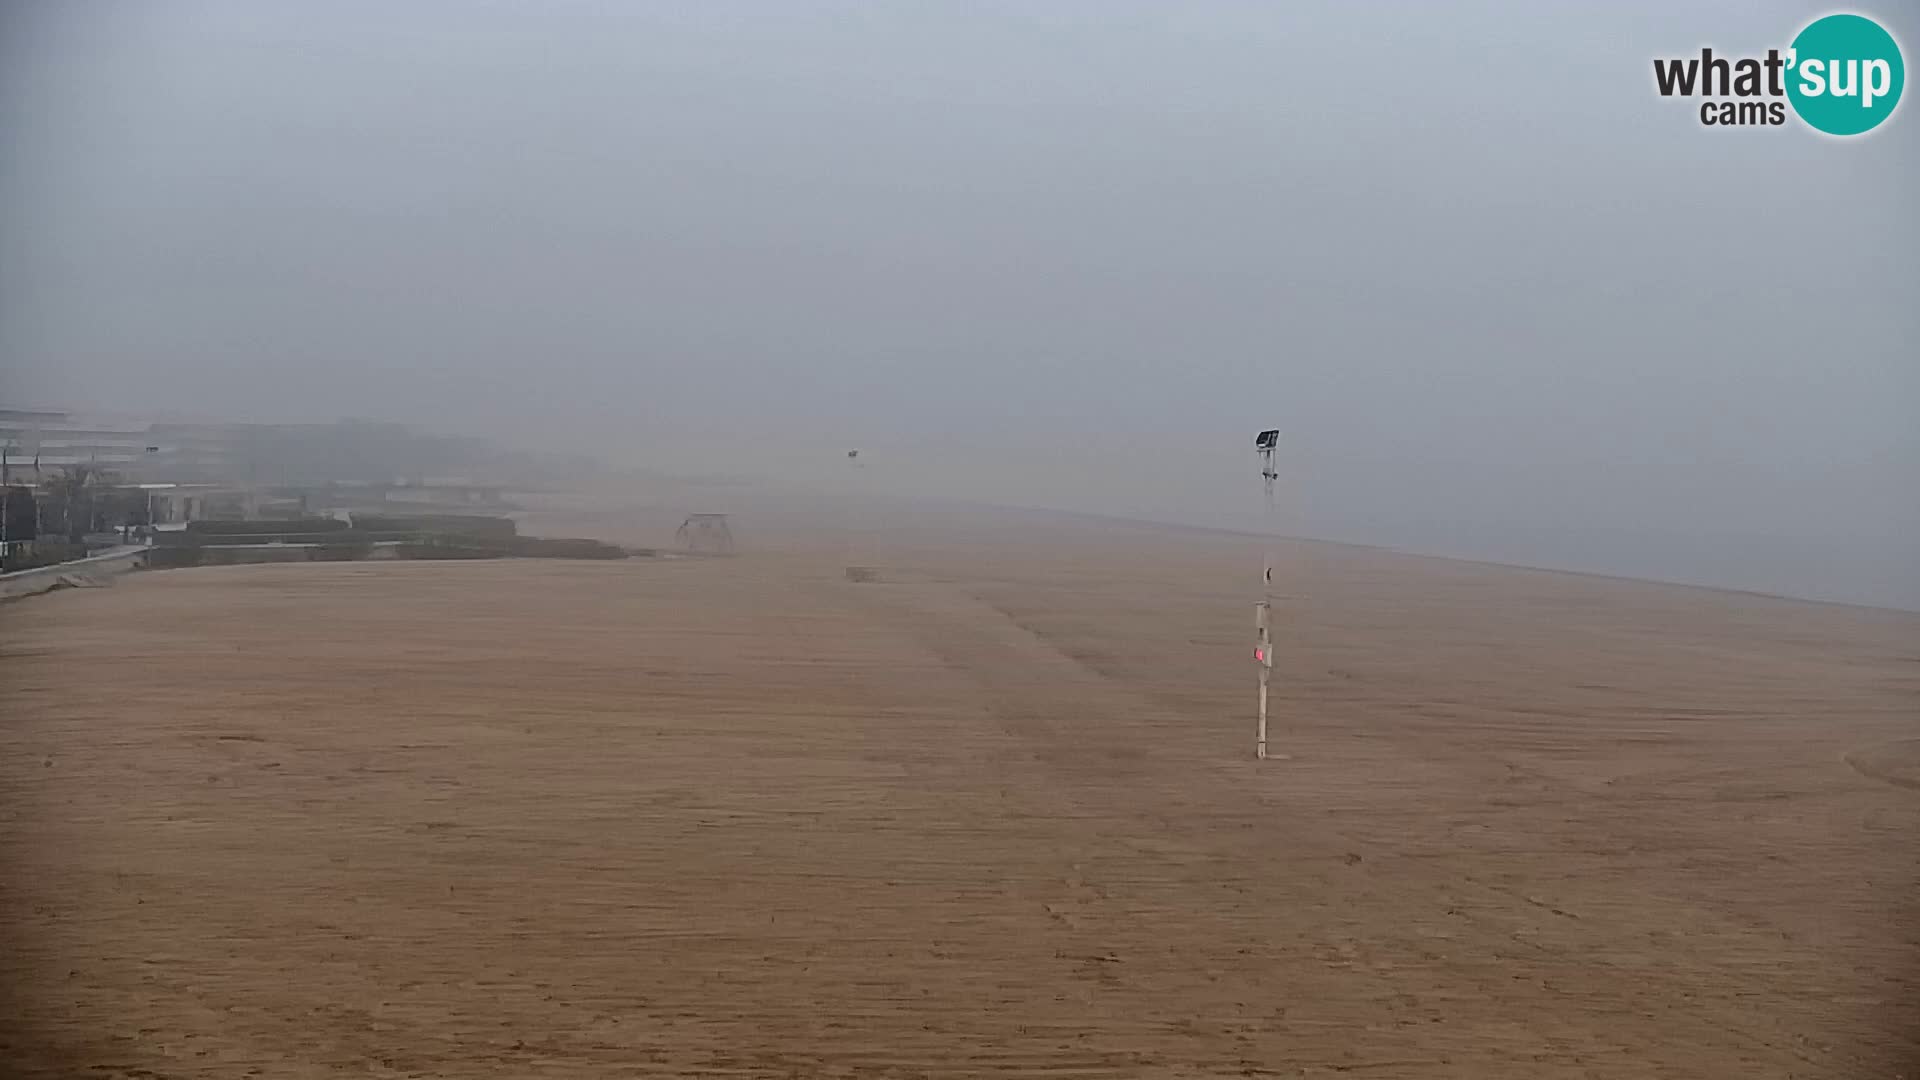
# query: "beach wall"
93,570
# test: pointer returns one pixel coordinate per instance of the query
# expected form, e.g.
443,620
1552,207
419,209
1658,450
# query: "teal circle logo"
1845,74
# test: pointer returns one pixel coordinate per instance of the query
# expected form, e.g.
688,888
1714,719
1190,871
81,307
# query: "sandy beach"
993,814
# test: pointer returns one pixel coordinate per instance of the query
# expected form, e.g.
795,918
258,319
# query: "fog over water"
1504,301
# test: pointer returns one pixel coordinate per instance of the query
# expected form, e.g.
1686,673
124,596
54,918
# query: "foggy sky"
1504,301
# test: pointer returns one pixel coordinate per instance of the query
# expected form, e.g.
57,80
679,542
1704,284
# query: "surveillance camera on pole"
1265,443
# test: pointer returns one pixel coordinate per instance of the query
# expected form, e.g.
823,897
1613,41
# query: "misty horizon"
1515,310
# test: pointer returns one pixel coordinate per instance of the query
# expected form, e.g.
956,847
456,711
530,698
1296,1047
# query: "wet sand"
995,814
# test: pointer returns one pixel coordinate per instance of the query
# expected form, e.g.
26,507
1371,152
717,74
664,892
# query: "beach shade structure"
707,534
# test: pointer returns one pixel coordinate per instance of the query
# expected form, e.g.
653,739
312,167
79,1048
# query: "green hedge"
173,558
35,554
439,549
452,524
266,528
340,551
175,538
565,548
